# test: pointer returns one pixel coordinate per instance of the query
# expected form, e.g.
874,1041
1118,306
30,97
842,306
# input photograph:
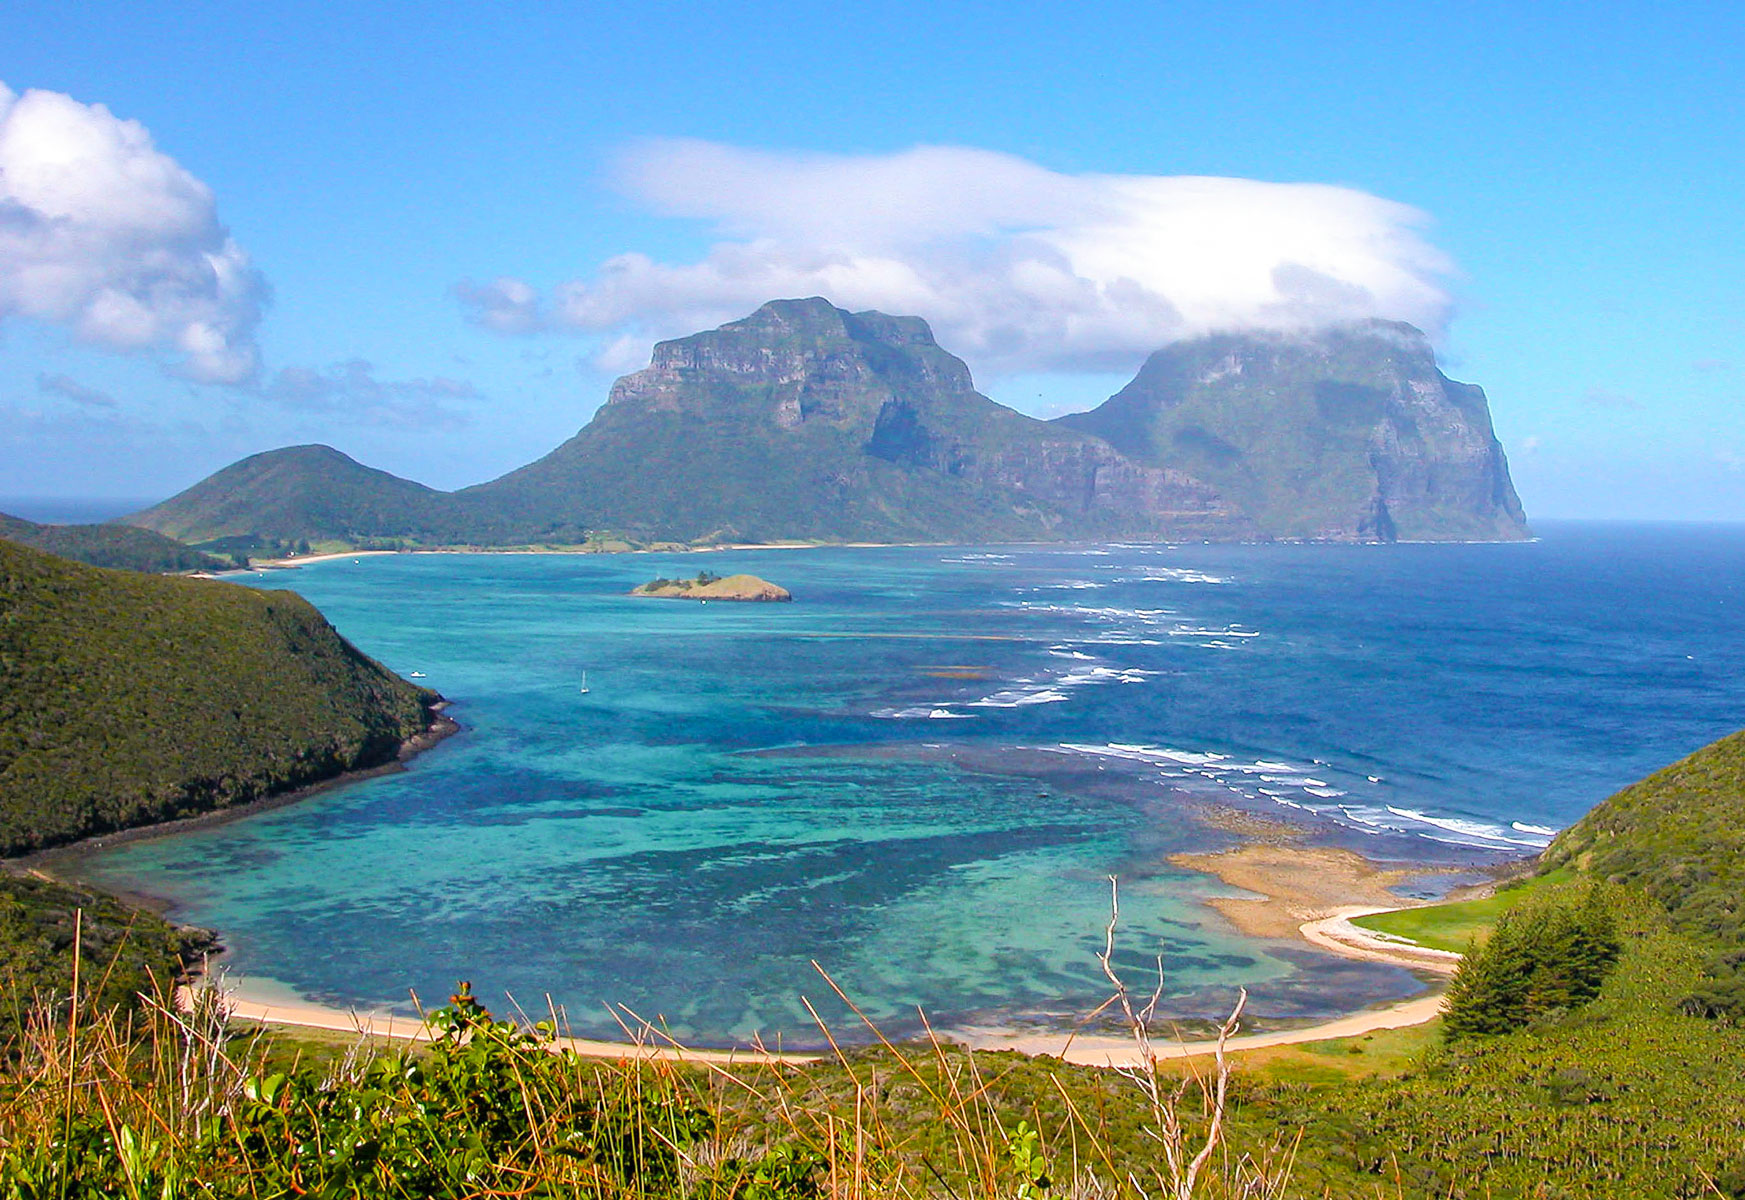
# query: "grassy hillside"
1679,836
122,547
122,951
306,493
127,699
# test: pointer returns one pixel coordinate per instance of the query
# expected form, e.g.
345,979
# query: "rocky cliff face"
1350,433
806,421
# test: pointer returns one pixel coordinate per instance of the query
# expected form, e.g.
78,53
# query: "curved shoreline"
61,863
1334,934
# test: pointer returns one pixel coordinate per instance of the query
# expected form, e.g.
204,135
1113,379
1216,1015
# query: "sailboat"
584,683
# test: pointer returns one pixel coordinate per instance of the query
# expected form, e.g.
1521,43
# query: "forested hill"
128,699
1345,433
311,493
125,547
1679,835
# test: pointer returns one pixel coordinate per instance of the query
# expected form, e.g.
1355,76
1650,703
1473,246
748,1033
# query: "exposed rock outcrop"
804,421
743,588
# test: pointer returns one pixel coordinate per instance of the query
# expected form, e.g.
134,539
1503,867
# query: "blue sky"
1580,167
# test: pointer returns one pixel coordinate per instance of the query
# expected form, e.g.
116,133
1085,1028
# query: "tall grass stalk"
169,1101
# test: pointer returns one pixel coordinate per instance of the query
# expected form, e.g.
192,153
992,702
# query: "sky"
432,235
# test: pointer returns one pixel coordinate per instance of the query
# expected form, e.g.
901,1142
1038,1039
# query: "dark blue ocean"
920,774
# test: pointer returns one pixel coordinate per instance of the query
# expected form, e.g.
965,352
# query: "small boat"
584,683
415,674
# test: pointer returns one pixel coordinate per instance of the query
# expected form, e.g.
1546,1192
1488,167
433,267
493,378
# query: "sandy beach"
276,1005
1302,891
272,1004
1293,884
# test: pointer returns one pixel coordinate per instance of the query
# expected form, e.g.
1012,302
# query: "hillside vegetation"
1679,836
123,547
127,699
124,952
1345,433
306,493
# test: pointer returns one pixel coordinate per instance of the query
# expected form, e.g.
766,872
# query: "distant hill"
123,547
1348,433
127,699
305,493
804,421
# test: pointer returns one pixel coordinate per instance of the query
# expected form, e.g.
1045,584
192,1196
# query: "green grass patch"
1458,925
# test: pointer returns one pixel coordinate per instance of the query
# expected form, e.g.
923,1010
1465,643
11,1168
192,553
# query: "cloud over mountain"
102,232
1016,266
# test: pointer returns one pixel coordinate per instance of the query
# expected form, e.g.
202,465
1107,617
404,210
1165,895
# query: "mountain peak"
812,353
1349,431
804,420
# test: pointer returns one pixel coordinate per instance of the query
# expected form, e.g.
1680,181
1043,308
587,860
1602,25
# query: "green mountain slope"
312,493
127,699
1350,433
1679,835
804,421
123,547
807,422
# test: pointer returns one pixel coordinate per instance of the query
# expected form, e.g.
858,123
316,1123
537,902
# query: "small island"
709,586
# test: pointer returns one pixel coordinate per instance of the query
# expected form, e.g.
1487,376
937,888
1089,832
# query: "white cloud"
68,388
350,390
1017,267
102,232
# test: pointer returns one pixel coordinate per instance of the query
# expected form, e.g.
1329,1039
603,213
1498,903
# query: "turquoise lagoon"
921,774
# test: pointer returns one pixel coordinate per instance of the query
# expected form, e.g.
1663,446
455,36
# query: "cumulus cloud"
103,233
351,390
68,388
1016,266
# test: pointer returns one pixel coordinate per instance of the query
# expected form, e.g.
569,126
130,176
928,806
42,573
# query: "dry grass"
168,1104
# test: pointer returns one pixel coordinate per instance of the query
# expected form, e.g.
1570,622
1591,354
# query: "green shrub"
1547,955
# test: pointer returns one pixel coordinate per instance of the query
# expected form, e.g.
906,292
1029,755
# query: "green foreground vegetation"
1623,1096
